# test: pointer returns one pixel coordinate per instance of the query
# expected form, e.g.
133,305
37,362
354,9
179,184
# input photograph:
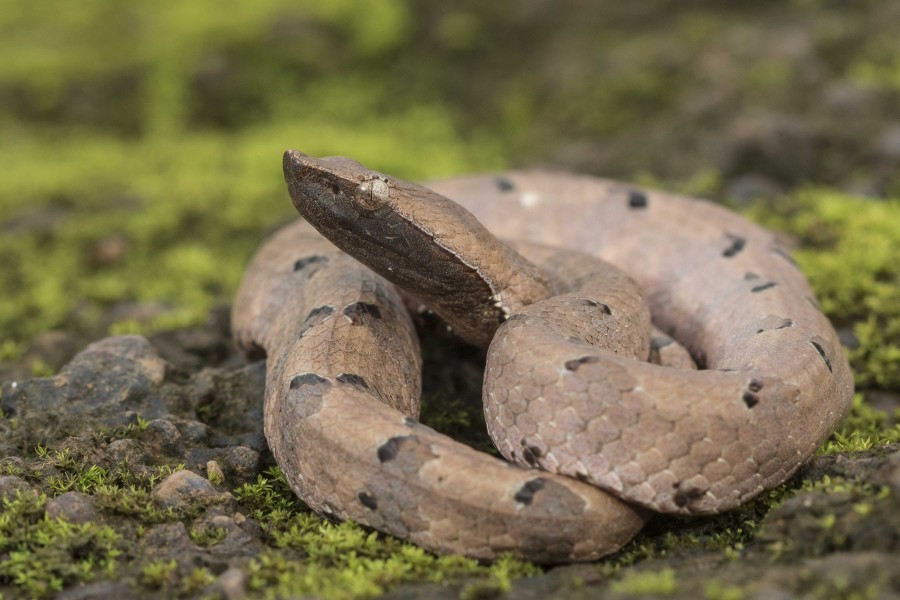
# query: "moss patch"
42,555
342,559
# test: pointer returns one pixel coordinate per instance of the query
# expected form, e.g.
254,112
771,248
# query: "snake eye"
372,193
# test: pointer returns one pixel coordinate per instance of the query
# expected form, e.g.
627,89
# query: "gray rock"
105,386
11,486
168,540
183,488
162,437
231,584
74,507
124,451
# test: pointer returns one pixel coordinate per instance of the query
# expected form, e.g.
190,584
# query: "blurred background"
141,141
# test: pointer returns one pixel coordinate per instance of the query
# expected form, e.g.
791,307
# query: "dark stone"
163,438
105,386
74,507
168,540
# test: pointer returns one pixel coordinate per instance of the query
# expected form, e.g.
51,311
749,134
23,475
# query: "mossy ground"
141,165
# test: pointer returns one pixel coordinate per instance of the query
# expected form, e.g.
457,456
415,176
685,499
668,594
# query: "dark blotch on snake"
683,497
353,379
637,199
368,500
750,275
572,365
755,385
763,287
785,323
750,399
309,260
526,493
504,184
531,454
737,244
356,310
388,450
821,352
307,379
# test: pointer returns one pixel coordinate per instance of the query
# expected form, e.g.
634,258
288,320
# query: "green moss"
343,560
39,556
864,428
716,590
839,485
159,574
206,536
645,583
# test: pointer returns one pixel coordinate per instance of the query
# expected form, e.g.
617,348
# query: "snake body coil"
567,387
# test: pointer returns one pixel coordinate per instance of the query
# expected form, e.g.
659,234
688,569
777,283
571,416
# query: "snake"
574,283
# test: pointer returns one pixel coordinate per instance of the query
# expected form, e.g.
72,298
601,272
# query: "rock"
105,386
168,540
214,472
162,437
125,451
862,466
74,507
233,401
231,584
11,486
184,488
888,474
241,463
238,540
193,432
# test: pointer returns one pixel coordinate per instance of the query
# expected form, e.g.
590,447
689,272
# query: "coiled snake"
567,388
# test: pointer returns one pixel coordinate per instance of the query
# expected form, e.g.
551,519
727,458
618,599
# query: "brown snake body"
566,385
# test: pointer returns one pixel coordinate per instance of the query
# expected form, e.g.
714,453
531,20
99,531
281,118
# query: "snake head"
333,187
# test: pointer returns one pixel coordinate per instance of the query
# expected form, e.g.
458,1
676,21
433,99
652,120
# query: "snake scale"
595,436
